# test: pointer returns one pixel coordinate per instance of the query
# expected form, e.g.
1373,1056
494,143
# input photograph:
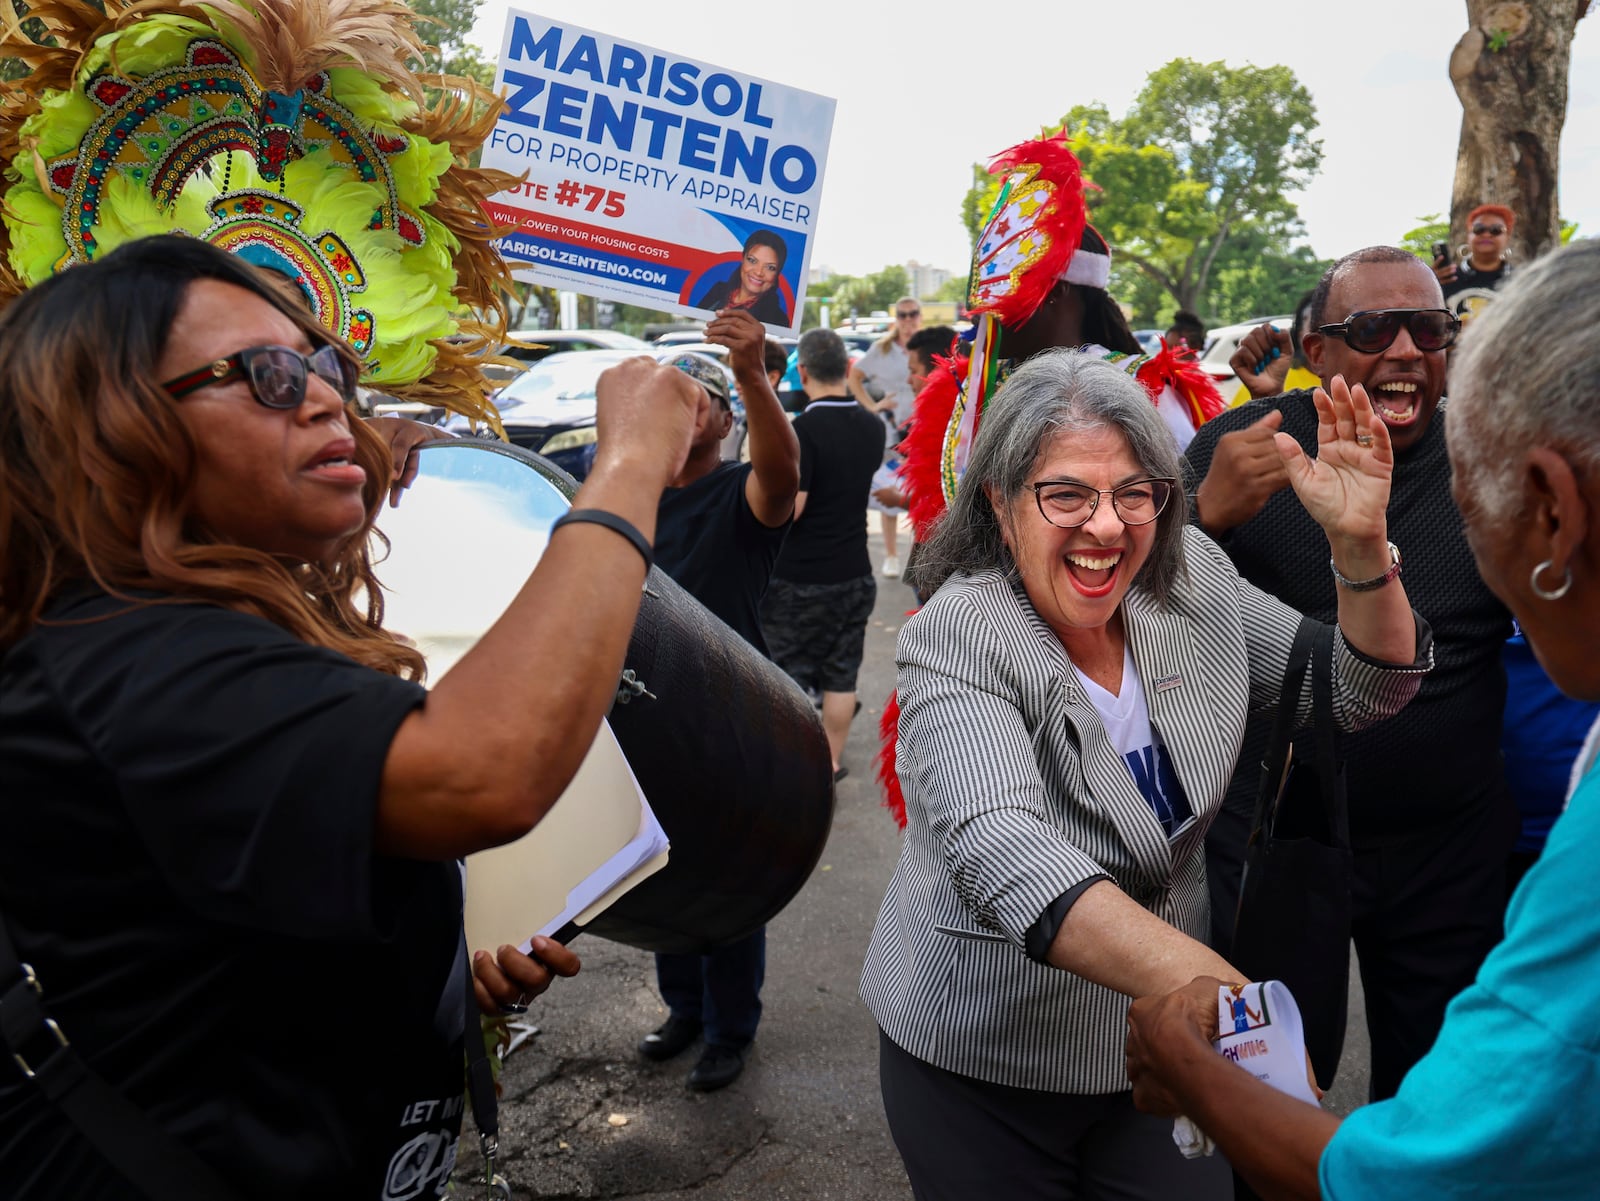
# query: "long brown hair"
97,470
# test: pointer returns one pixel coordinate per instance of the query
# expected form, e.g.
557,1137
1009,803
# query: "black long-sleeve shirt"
1441,756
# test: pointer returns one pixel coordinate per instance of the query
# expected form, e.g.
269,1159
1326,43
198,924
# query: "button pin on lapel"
1168,683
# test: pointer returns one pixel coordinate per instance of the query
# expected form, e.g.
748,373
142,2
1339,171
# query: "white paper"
1263,1034
598,840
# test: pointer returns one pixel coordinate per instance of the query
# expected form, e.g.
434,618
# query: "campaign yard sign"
655,179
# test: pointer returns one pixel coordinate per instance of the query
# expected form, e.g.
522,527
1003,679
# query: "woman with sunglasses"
1072,700
229,813
1504,1105
1485,261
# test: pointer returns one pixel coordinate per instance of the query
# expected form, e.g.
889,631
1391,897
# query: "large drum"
727,750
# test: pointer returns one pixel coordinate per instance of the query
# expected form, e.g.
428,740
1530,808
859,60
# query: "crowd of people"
225,794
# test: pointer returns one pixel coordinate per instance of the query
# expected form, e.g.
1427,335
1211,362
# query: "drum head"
726,748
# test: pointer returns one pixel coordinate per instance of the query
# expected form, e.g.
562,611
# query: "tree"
446,25
1510,73
858,296
1208,154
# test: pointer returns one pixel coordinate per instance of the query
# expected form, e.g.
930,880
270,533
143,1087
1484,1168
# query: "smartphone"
1441,252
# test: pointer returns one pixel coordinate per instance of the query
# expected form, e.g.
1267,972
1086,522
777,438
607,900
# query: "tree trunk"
1513,105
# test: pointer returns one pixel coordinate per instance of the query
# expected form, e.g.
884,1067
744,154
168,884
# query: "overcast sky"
922,94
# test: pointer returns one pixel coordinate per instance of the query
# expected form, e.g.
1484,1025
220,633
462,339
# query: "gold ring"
1363,439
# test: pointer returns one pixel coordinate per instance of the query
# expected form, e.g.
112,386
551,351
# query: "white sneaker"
891,567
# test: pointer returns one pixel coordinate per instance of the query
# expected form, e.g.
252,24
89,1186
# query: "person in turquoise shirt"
1507,1103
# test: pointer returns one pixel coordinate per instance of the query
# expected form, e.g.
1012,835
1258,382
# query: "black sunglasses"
1496,230
1374,330
277,375
908,312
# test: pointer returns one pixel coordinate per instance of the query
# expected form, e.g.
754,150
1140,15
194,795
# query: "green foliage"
953,289
1430,229
1254,278
858,296
1206,156
1569,230
446,25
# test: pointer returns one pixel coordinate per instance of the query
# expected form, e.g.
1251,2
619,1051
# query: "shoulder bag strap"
480,1084
1326,736
147,1156
1283,724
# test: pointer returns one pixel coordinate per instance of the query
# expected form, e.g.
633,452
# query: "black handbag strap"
1325,737
480,1077
149,1158
1294,674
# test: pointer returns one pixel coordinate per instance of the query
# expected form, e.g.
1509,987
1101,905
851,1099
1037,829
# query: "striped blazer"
1014,794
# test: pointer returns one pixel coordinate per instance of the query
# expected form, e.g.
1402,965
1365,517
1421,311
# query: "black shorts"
816,632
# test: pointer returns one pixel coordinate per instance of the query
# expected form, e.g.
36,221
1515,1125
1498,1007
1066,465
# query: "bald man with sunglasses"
1431,821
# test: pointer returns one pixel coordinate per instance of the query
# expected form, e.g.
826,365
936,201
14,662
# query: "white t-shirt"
1126,718
887,371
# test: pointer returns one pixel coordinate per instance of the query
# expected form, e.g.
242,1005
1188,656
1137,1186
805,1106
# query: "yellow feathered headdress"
289,131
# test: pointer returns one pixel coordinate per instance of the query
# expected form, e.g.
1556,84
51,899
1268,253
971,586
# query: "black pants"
1426,909
969,1140
721,990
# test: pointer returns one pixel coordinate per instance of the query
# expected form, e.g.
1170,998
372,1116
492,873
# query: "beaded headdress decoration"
291,132
1030,241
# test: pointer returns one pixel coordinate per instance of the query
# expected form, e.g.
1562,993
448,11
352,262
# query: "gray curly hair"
1056,391
1524,375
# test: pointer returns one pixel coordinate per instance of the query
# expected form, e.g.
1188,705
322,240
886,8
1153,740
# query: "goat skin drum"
728,751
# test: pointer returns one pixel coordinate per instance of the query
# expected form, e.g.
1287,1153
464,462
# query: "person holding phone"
1472,283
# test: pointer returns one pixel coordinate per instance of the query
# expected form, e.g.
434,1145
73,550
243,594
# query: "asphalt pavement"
584,1116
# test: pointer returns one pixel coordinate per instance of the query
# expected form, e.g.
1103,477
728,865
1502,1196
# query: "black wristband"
612,522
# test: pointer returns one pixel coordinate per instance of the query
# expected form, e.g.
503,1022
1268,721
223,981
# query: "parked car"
532,345
1221,344
1149,339
550,408
681,337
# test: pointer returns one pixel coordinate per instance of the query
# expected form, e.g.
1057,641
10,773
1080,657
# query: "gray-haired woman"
1504,1105
1072,702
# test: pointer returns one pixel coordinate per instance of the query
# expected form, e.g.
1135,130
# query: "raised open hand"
1346,487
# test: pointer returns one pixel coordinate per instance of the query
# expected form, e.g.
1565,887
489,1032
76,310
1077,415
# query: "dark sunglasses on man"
1373,331
277,375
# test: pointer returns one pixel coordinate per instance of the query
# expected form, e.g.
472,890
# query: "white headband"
1089,269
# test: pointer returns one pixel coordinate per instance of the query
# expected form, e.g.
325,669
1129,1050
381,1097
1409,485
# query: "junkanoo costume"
291,132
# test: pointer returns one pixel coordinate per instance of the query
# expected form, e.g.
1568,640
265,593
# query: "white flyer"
1261,1032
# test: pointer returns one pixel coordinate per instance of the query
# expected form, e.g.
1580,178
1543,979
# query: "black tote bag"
1293,921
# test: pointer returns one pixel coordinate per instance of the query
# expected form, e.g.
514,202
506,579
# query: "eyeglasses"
907,314
1496,230
1068,505
1374,330
277,375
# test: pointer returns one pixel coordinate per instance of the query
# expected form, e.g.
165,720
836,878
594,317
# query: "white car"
1220,345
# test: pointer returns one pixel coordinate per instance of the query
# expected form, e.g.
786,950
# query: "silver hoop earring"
1550,594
